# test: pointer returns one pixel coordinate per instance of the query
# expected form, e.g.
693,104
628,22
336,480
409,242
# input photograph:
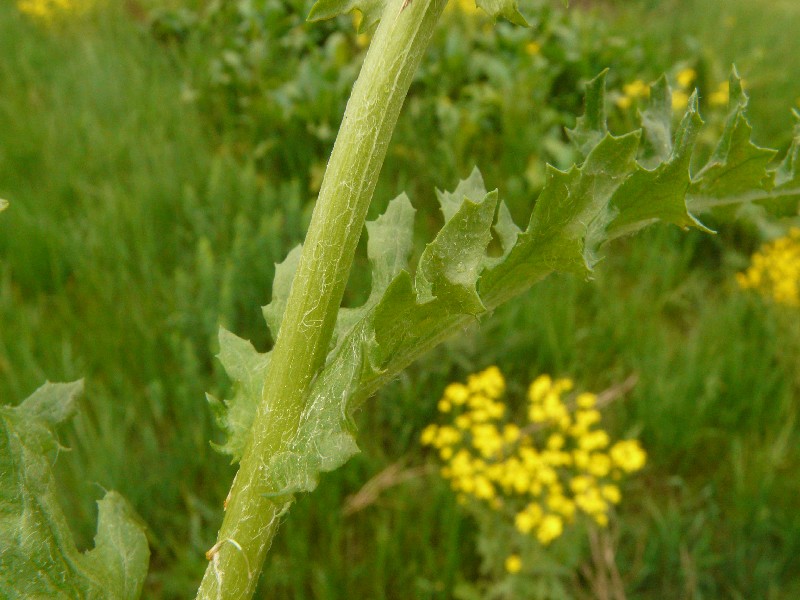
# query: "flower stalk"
253,509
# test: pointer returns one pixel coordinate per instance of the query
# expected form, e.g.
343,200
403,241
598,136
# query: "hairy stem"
255,505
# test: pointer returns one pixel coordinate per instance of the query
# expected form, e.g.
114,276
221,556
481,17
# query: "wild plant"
291,415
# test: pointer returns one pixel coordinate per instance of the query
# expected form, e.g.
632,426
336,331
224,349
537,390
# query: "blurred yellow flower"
719,97
49,11
533,48
624,102
680,100
551,527
636,89
775,270
628,455
513,564
631,92
686,77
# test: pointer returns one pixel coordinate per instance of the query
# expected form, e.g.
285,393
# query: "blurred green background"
160,157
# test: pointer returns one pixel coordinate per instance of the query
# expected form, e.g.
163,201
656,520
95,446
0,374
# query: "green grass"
756,36
137,225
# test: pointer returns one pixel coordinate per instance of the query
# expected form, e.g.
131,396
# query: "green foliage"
123,244
609,195
547,571
131,233
39,558
262,76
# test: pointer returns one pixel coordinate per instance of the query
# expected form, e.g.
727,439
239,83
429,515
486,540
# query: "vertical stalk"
253,510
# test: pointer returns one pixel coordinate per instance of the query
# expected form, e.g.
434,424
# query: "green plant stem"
254,507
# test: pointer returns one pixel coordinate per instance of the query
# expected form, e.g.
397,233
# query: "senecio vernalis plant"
290,417
542,475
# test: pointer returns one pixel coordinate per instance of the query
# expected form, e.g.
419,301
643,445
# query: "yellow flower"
555,442
611,493
457,393
528,518
628,455
49,11
624,102
560,467
510,433
586,400
533,48
483,488
539,387
686,77
775,270
550,528
429,435
537,414
562,505
599,465
720,96
636,89
513,563
463,422
581,483
593,440
680,100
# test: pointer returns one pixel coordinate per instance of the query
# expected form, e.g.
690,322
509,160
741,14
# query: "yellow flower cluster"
685,78
775,270
632,92
544,474
49,11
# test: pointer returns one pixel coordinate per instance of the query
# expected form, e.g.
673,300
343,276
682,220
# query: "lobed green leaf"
737,164
247,368
624,184
39,558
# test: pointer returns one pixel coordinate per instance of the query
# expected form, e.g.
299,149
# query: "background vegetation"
162,157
